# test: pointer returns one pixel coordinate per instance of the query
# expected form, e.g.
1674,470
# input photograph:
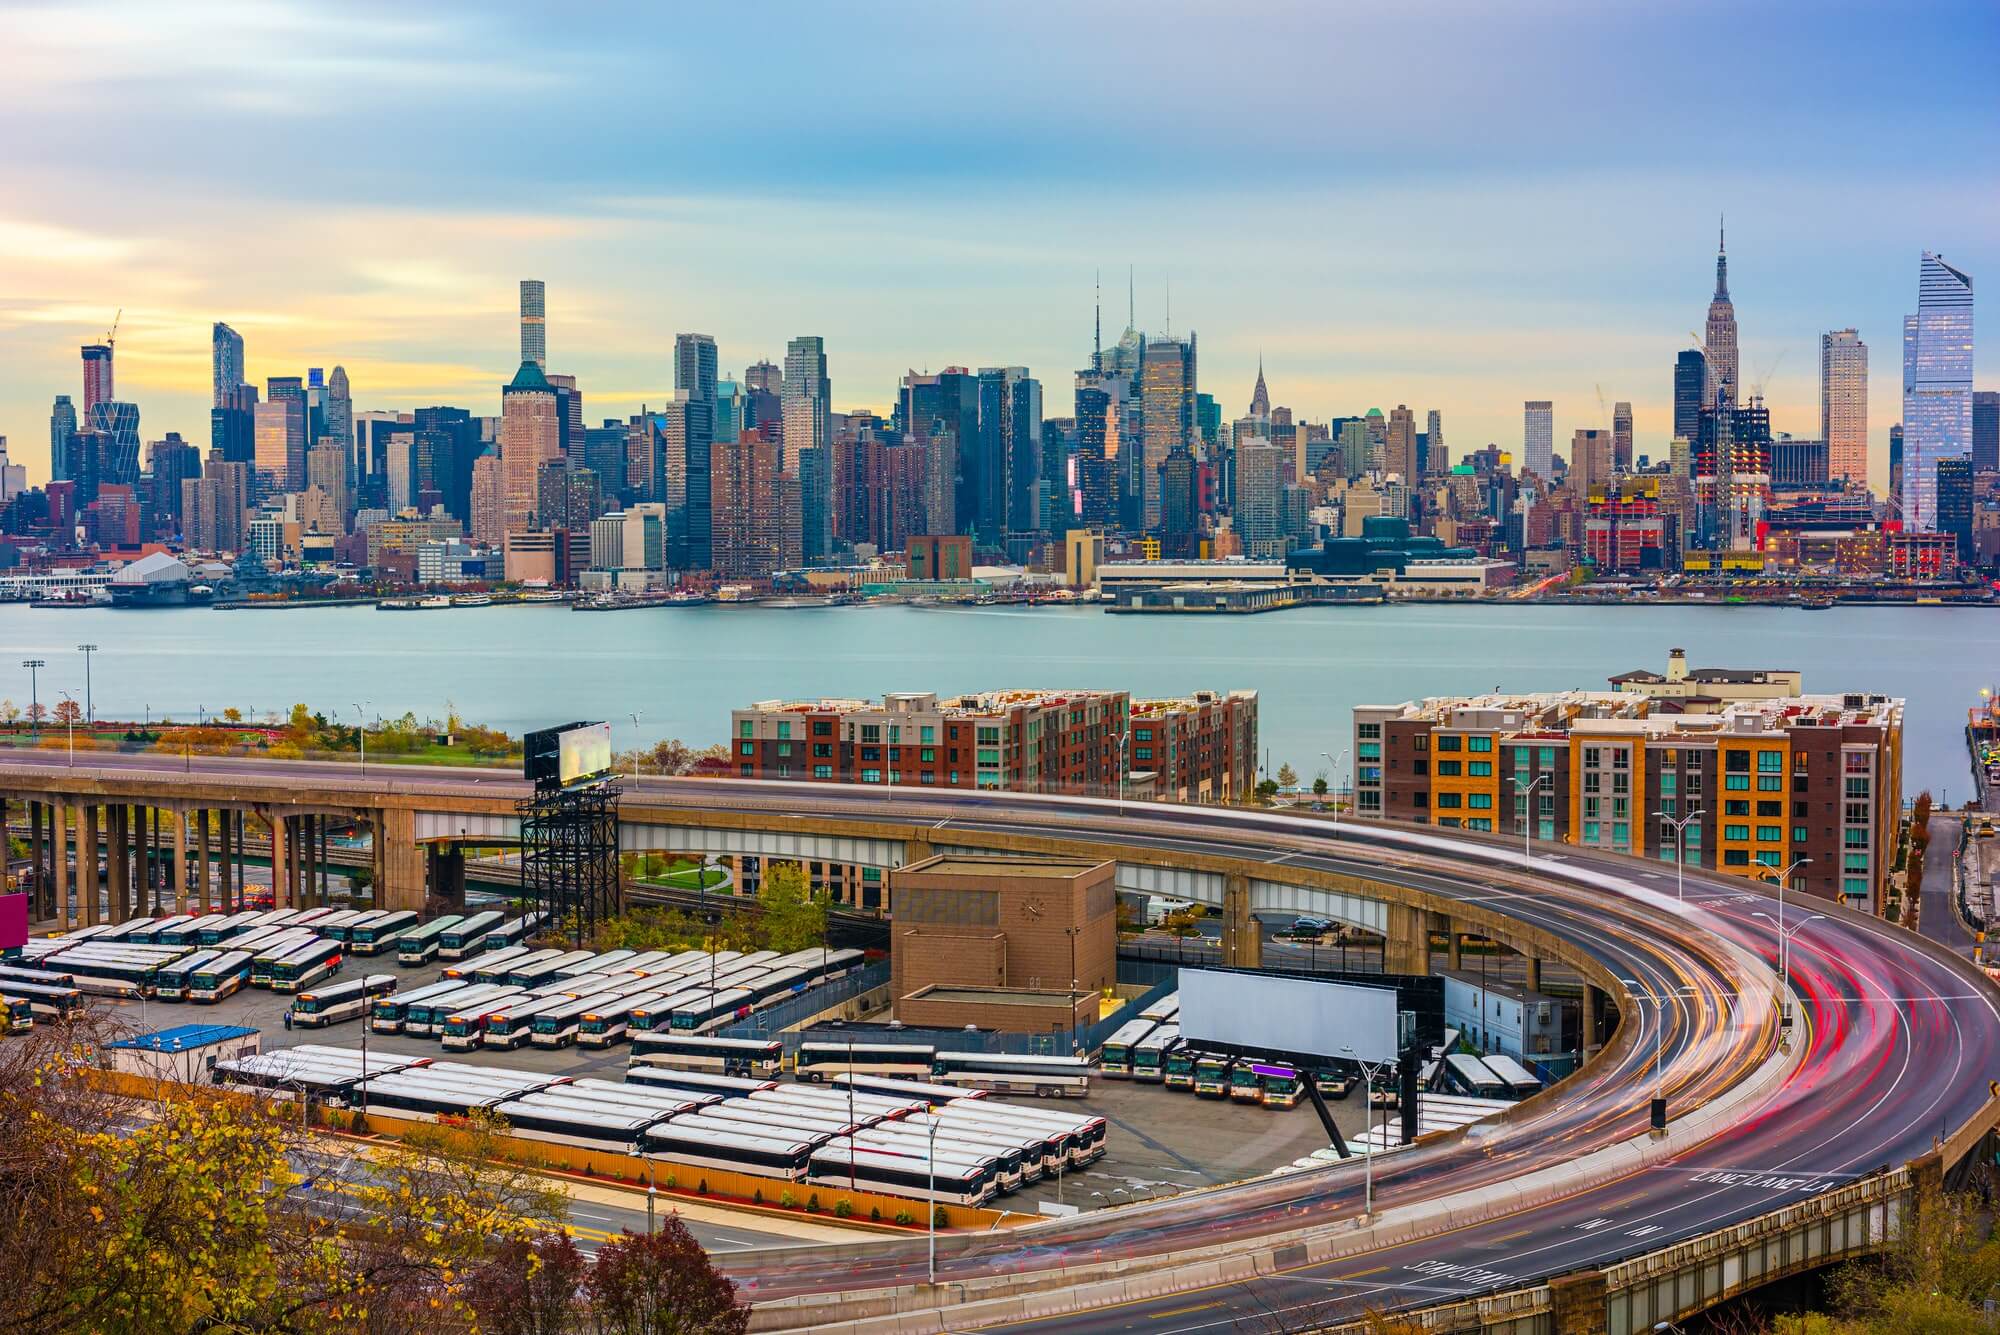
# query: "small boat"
1816,604
397,605
438,601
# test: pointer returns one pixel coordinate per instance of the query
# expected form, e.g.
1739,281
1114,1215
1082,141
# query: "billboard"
572,754
13,922
1301,1017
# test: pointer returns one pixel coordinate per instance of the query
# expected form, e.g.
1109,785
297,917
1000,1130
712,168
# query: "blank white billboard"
1262,1012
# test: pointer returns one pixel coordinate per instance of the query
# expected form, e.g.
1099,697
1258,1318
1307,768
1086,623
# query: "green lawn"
693,878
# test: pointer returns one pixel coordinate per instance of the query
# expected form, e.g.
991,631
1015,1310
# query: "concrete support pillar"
37,850
180,819
283,889
201,878
1577,1304
225,841
399,860
1406,948
86,869
1591,1033
1242,946
143,845
117,870
446,867
1532,979
65,914
1453,950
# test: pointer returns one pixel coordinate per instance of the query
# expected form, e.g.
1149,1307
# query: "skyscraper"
1399,452
1592,460
1166,414
1843,404
97,378
62,431
1690,387
1621,437
226,360
688,432
1954,502
1937,385
339,424
1436,461
1719,341
1004,468
808,432
1538,438
530,436
695,365
752,499
280,457
534,323
1985,431
1896,466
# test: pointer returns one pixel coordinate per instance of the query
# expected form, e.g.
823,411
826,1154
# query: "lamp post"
1680,849
89,709
1333,777
1528,814
930,1194
1123,737
361,731
635,747
1783,877
1071,932
1368,1073
35,666
1785,935
69,721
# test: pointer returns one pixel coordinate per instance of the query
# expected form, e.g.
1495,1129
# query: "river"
683,669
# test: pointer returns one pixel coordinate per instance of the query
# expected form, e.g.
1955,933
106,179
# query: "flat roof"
998,996
184,1036
953,864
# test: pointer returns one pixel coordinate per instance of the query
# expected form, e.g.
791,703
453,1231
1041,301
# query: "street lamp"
1368,1073
1680,849
34,666
1785,935
1660,1000
89,710
361,731
1528,814
635,746
1072,931
1333,777
70,720
1123,737
1783,877
930,1191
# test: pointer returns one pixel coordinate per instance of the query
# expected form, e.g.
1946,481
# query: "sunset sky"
1454,207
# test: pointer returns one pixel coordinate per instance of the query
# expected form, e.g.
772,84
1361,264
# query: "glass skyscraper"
1937,386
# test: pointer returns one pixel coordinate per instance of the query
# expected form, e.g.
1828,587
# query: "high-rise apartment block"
1985,431
98,381
530,436
753,502
1937,385
1843,404
1621,438
1769,779
1538,438
1690,387
226,360
534,323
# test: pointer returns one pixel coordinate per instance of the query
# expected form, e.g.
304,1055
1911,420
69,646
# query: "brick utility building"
1769,780
940,558
1020,944
1201,748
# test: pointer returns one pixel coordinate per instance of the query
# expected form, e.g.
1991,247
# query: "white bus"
468,936
1046,1077
421,944
173,980
1472,1077
952,1145
1520,1081
1165,1009
465,1027
606,1020
943,1181
643,1072
657,1015
322,1006
515,1025
49,1001
1116,1058
425,1019
488,967
108,975
335,926
515,930
924,1090
684,1141
759,1057
382,933
1149,1058
556,1027
221,977
305,965
387,1015
817,1061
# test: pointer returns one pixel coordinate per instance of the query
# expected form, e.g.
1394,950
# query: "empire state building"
1719,344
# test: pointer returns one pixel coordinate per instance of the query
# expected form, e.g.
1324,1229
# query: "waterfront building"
1954,504
488,501
1538,438
214,505
1937,385
1843,404
534,323
529,437
1628,528
226,363
938,557
1690,390
1719,340
1768,781
752,501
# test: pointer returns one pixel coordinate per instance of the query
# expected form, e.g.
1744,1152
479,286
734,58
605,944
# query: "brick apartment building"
1770,780
1202,748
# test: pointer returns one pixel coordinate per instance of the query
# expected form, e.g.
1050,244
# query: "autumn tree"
662,1284
530,1286
1287,777
69,712
794,918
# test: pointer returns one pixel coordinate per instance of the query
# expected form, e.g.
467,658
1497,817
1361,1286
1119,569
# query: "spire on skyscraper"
1721,261
1260,398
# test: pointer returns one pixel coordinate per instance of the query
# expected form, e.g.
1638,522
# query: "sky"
1456,206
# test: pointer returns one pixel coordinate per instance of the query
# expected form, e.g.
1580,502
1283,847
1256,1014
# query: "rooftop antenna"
1170,305
1131,300
1097,328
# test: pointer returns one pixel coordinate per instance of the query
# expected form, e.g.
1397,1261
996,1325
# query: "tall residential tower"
534,323
1843,404
1937,385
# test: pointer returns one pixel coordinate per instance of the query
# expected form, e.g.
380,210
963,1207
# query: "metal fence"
1091,1037
796,1010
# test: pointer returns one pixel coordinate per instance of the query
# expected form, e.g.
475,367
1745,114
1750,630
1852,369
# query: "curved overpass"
1893,1047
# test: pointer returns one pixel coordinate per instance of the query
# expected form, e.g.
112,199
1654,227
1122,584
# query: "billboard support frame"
569,854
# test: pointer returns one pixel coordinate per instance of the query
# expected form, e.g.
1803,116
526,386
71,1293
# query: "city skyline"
1419,259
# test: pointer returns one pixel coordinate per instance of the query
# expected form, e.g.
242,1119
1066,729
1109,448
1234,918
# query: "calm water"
683,670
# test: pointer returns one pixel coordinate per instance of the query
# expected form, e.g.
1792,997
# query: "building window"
1621,834
822,771
1770,783
1858,762
1768,856
1667,784
1590,828
1770,762
1478,823
1854,838
1799,833
1545,829
928,755
1479,768
1448,801
744,729
1737,762
1591,757
746,748
1736,832
1448,742
1770,834
1448,768
1735,857
1369,750
1479,801
1736,783
1854,885
784,730
871,776
1736,807
1770,808
1479,745
784,748
1547,758
1368,730
1857,787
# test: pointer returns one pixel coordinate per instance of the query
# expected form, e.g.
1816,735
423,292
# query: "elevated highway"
1886,1066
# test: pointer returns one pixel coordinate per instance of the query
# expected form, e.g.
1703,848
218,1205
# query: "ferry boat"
438,600
542,596
472,600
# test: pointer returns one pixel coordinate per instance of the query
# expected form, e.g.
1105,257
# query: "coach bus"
1149,1059
960,1183
469,936
642,1071
817,1061
305,965
1116,1058
1212,1074
772,1155
221,977
425,1019
387,1014
111,974
49,1001
656,1015
513,1025
513,931
420,944
1046,1077
465,1027
759,1057
544,966
710,1011
382,933
173,981
556,1027
322,1006
1178,1072
488,967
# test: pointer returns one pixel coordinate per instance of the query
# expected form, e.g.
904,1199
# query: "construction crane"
1603,413
1757,388
111,335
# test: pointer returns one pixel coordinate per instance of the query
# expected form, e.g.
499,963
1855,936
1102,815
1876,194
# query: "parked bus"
1520,1081
335,926
711,1011
657,1016
911,1089
1279,1086
425,1019
542,966
264,962
1243,1085
469,935
817,1061
382,933
1046,1077
465,1027
387,1014
28,973
587,1126
48,1001
951,1145
421,944
17,1016
1149,1059
173,981
1167,1008
1116,1058
189,933
221,977
556,1027
514,1024
1179,1066
305,965
160,929
111,975
514,931
493,966
683,1141
1473,1078
759,1057
641,1071
959,1183
1211,1075
607,1021
322,1006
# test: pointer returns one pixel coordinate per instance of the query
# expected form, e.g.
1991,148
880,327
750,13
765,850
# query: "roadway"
1938,918
1897,1040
